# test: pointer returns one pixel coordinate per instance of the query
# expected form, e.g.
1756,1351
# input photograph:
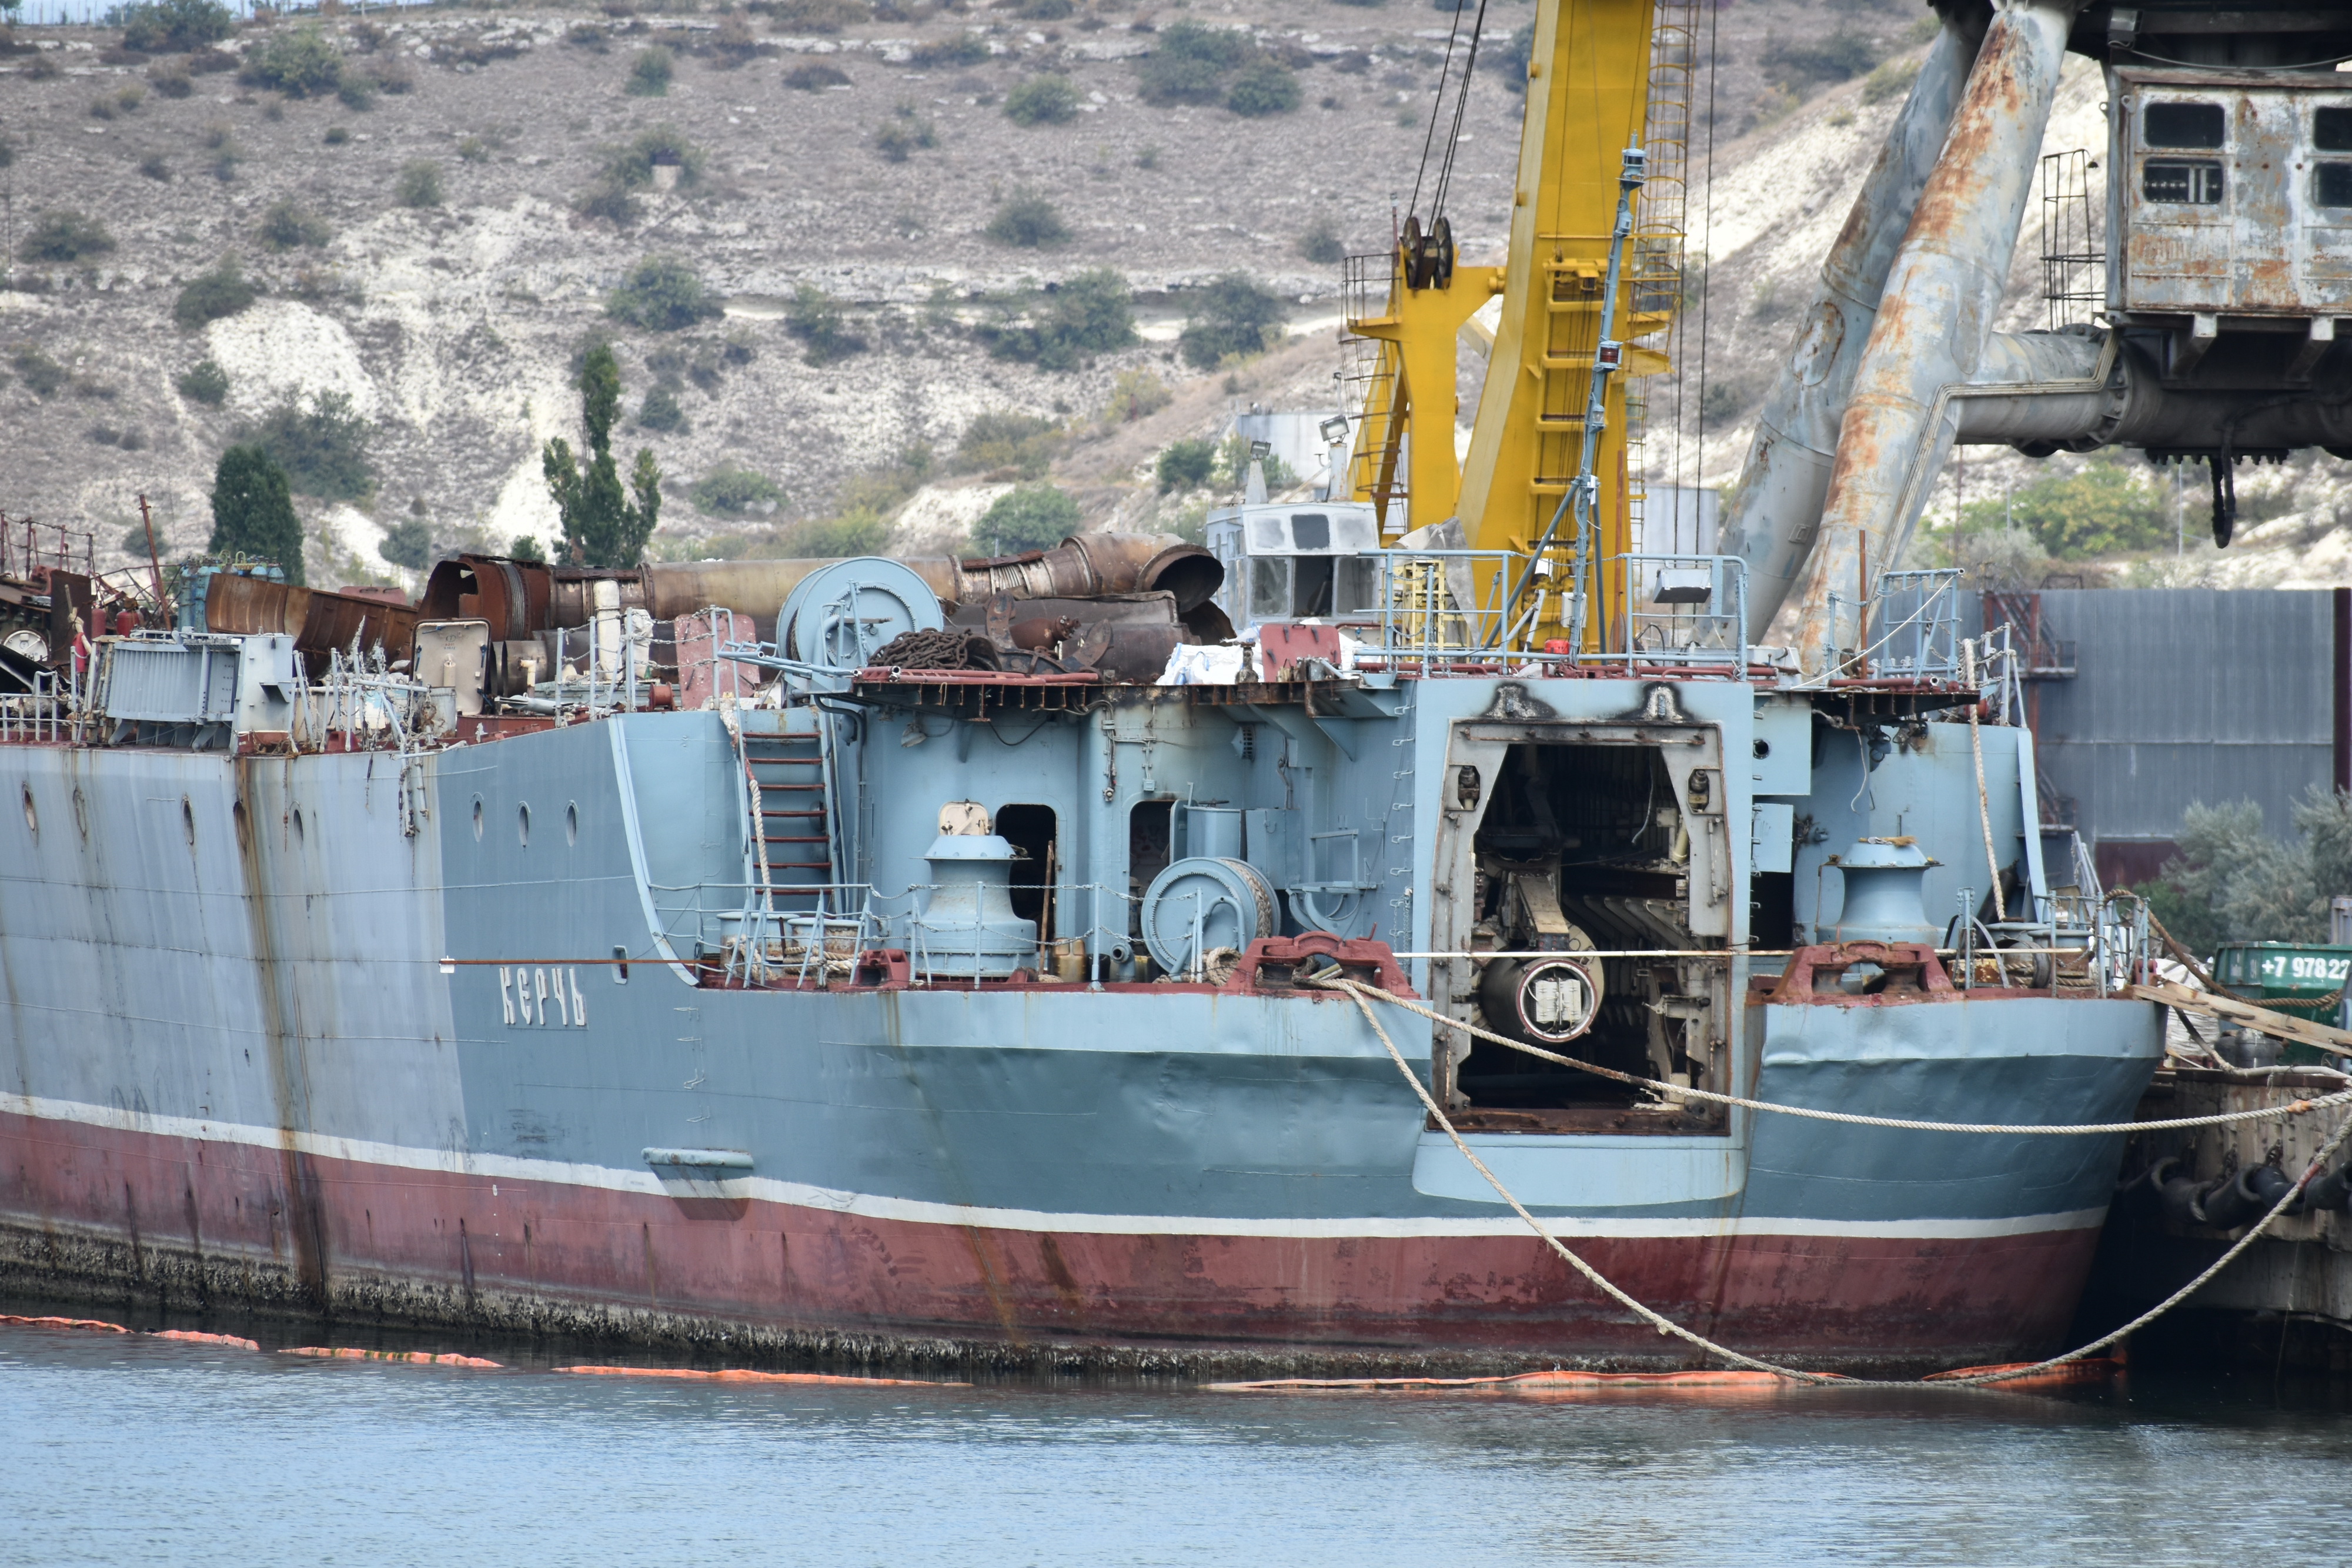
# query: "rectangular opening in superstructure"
1584,849
1148,838
1036,862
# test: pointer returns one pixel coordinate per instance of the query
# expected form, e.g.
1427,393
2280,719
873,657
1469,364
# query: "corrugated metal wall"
2186,695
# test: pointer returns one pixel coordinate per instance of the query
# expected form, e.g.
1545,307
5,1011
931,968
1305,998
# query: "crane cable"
1439,189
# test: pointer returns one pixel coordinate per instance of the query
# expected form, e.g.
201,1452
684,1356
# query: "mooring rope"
1358,992
1676,1090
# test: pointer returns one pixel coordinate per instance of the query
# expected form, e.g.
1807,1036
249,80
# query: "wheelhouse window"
2181,183
2331,185
2197,125
2331,130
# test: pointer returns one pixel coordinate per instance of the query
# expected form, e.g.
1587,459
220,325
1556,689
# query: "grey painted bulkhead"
301,987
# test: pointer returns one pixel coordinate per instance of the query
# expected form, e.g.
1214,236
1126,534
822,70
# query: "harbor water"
128,1448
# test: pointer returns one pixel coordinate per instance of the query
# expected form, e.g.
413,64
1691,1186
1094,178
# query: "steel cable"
1357,992
1677,1092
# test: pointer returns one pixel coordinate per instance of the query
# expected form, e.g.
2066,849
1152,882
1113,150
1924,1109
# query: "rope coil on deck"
1676,1092
1359,993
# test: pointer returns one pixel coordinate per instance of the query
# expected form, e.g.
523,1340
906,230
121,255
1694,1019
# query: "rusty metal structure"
2228,189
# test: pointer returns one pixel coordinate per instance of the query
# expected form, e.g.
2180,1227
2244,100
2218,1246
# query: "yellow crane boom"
1602,76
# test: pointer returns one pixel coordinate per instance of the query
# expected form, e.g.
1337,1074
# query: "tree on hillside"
1028,517
253,511
602,526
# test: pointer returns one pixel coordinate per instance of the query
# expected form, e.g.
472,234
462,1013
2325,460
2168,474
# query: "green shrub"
2108,506
1190,63
1028,517
63,234
42,375
816,317
355,91
285,226
661,411
1064,325
1235,317
1042,101
205,382
903,133
336,136
2235,882
730,490
1819,55
171,77
955,49
1016,445
409,543
253,511
223,291
819,16
1321,244
172,27
301,62
849,533
1263,88
1134,395
1186,465
323,448
816,78
419,184
650,72
153,167
631,167
662,293
526,547
1029,221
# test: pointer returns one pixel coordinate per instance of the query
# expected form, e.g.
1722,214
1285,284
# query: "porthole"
522,823
32,817
477,818
188,821
82,814
571,823
1763,749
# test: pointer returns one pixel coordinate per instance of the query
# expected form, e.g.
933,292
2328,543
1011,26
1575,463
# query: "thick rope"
1659,1320
2187,961
1357,992
1676,1092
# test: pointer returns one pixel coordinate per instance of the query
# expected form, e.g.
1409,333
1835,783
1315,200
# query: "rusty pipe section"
1778,505
1936,313
1085,566
321,623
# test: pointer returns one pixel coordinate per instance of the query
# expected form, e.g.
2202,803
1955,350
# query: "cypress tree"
602,526
253,511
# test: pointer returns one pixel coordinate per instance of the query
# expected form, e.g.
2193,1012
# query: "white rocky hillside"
860,150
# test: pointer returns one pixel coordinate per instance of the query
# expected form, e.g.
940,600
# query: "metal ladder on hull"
795,840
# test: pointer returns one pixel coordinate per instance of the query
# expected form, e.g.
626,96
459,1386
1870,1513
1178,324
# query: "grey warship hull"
436,1037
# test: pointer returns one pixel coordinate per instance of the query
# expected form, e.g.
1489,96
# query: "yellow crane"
1600,149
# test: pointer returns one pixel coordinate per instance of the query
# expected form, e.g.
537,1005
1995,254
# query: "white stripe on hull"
767,1189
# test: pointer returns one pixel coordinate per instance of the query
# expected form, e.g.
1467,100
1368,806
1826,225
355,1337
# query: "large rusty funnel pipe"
1934,316
1778,505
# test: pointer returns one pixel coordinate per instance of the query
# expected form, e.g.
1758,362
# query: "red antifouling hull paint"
1808,1297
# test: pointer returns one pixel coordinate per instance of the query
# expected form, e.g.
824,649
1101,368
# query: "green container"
2301,979
2282,971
